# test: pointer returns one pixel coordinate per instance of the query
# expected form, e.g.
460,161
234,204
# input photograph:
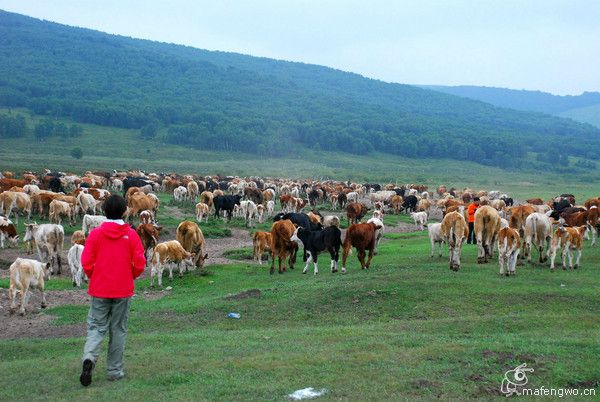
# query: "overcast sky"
547,45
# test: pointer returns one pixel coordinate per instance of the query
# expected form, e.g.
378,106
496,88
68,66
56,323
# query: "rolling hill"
229,102
582,108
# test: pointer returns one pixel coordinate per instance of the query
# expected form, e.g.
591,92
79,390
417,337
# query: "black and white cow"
226,203
314,242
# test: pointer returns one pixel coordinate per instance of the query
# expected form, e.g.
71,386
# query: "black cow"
212,185
226,203
400,191
313,197
55,185
559,207
329,239
409,204
298,219
508,201
223,185
134,182
342,200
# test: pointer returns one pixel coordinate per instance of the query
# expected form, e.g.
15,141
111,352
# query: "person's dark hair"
115,207
476,199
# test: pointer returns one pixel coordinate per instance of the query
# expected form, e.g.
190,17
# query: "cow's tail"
451,237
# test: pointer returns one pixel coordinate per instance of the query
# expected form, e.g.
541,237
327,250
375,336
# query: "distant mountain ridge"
535,101
232,102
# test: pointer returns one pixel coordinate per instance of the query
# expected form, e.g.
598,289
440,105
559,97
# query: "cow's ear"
205,256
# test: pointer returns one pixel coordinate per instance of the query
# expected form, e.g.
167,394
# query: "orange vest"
471,211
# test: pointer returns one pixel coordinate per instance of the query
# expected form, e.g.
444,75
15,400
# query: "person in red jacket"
112,258
471,215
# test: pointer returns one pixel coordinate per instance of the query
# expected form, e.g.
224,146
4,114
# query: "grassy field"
408,328
109,148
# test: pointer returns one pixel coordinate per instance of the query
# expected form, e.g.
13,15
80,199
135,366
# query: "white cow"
180,193
378,232
86,203
74,260
538,230
270,208
49,239
435,236
420,219
91,222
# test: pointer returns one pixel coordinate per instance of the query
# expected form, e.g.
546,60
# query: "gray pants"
107,315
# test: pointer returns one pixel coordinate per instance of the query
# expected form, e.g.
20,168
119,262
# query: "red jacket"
112,258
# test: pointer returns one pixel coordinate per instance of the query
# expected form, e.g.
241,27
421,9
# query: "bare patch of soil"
244,295
36,324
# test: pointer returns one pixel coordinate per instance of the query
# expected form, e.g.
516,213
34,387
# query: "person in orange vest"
471,214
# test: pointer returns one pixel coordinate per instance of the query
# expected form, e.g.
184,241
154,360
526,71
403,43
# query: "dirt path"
217,247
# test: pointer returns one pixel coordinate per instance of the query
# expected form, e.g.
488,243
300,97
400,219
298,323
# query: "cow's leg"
570,256
308,261
272,262
345,252
502,262
24,297
369,259
293,254
315,260
181,268
542,258
12,294
58,261
361,258
440,244
432,246
552,257
480,249
578,258
564,257
44,304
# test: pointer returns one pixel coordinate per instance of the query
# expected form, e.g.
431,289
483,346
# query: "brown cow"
78,237
355,211
206,197
589,218
149,235
535,201
518,216
363,237
592,202
281,245
6,184
139,202
261,241
8,231
190,236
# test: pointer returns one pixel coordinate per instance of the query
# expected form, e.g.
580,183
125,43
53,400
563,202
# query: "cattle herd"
515,229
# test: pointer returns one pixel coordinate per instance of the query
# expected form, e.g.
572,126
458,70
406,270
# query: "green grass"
408,328
109,148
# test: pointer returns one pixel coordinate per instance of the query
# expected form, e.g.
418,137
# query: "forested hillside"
231,102
535,101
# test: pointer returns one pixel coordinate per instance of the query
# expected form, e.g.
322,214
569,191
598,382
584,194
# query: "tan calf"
567,239
26,273
454,232
487,226
58,209
261,242
509,244
169,253
202,211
